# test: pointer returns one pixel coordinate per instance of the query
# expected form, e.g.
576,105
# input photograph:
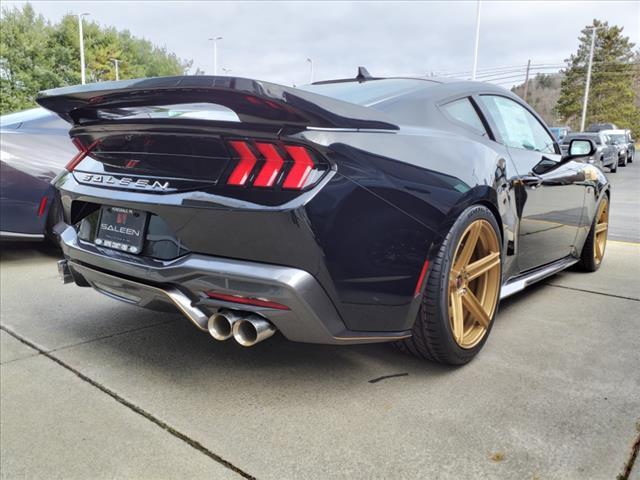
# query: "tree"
36,55
612,97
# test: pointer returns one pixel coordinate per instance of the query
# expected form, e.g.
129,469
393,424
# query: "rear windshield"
370,92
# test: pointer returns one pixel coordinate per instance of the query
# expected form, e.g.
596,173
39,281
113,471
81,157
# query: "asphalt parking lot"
92,388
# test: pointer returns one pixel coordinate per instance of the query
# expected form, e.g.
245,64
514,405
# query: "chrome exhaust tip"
251,330
221,325
64,272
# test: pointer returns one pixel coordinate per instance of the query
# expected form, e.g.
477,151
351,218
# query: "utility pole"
588,84
215,54
82,74
311,70
526,81
115,61
477,43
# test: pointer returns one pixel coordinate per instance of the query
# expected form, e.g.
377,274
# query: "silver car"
606,154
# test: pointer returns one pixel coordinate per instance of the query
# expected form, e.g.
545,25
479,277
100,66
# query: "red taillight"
273,158
302,166
272,165
43,205
247,161
82,153
256,302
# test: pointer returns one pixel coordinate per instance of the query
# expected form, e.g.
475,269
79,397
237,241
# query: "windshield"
370,92
15,119
618,137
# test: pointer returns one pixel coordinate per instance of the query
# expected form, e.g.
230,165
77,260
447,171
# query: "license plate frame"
123,229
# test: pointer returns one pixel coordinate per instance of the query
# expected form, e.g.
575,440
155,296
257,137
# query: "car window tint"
462,111
517,126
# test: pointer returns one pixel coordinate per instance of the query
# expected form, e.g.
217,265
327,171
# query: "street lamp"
115,62
588,84
477,43
311,70
82,75
215,53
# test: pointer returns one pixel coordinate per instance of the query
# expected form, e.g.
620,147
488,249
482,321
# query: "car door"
550,191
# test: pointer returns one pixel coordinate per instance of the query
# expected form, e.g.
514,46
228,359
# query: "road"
92,388
625,202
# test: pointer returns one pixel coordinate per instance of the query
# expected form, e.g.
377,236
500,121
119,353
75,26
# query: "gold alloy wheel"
474,283
602,227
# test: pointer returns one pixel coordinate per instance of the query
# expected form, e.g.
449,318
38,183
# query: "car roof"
617,131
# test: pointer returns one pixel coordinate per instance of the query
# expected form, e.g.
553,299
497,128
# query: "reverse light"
273,165
256,302
81,155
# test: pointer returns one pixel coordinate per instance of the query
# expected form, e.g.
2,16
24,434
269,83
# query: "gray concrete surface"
54,425
120,392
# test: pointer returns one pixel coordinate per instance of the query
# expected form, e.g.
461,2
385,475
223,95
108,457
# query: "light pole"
115,62
310,70
588,84
215,53
82,75
477,43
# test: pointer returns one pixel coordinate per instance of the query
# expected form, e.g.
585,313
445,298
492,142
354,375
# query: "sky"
272,40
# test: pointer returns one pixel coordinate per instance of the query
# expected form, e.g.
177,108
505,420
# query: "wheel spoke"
601,227
457,314
598,248
485,264
471,303
469,246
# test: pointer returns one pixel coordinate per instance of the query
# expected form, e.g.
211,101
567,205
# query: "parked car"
606,154
35,147
560,132
348,211
596,127
624,143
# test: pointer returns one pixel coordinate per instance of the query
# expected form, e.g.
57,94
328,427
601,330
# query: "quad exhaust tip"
246,330
220,325
251,330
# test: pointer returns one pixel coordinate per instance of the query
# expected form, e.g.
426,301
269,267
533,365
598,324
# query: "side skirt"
519,283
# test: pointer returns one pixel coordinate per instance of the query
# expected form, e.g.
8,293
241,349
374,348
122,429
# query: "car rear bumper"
311,316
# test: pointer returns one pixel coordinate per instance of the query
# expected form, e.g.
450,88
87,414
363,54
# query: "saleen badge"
125,182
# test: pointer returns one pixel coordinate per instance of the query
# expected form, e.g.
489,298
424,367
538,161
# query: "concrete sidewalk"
110,390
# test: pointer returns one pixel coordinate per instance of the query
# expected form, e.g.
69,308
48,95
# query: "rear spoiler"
252,101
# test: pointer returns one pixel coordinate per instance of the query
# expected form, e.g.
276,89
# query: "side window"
516,125
463,111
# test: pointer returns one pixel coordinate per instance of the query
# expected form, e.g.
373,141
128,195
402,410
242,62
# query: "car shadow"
174,348
11,252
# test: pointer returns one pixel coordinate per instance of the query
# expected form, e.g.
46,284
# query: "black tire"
432,335
624,162
587,261
614,168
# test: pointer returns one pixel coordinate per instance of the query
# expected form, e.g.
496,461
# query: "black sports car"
349,211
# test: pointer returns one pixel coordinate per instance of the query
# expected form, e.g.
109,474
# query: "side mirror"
581,148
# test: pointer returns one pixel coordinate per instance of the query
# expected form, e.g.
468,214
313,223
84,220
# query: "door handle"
531,180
